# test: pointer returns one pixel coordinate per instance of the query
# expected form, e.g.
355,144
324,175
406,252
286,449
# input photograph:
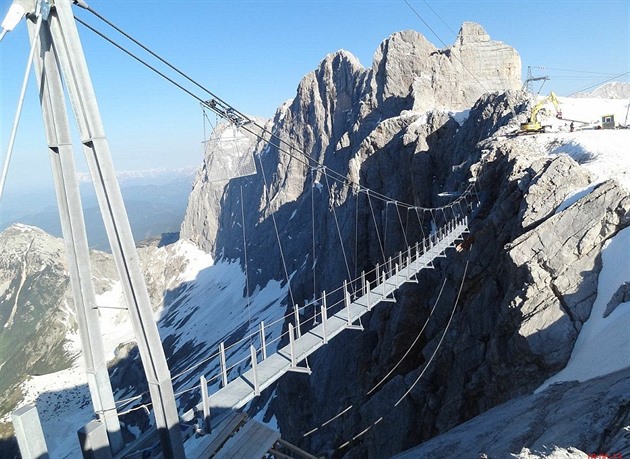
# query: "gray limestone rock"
562,260
622,295
589,416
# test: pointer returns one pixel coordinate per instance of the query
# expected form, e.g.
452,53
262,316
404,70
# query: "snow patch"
555,453
460,117
575,196
603,345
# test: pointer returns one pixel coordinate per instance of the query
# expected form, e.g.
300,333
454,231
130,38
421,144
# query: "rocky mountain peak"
409,69
339,104
23,242
471,33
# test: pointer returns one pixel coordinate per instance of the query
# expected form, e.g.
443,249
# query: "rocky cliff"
339,117
532,269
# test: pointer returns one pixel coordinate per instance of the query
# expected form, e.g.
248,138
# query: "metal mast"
61,60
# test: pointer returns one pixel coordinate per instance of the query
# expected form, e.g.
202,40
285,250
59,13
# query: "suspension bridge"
397,271
305,334
308,328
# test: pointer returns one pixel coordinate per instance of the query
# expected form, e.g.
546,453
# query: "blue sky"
254,53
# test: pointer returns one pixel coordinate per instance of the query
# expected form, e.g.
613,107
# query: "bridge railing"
233,359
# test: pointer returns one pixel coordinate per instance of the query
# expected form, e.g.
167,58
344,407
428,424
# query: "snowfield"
212,294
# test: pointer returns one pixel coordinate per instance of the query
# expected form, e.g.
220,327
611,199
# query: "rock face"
33,290
561,258
531,271
542,417
338,110
451,78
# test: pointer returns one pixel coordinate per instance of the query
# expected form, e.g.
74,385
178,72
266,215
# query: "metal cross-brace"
226,111
73,227
61,60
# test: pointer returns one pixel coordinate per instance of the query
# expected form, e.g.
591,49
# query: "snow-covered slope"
192,325
603,345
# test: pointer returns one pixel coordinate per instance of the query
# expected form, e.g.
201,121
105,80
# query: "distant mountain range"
155,199
612,90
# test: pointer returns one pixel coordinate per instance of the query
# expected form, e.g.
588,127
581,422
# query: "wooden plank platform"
211,443
252,441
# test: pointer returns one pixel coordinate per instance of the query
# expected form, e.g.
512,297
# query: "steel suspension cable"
275,226
391,411
313,233
356,237
385,232
18,112
384,378
380,244
401,225
249,313
410,348
226,109
448,324
343,249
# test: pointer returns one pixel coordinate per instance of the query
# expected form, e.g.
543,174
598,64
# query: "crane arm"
554,100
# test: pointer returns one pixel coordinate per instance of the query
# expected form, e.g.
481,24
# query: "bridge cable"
18,112
275,226
313,233
441,339
345,258
384,378
410,348
226,109
440,18
249,313
421,223
385,232
380,244
404,232
356,237
390,412
222,112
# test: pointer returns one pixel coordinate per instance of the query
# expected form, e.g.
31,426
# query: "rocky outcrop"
408,68
571,415
622,295
561,262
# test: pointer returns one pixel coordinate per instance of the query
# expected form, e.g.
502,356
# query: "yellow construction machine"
533,125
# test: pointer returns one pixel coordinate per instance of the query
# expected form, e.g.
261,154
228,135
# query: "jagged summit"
407,65
470,33
338,105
